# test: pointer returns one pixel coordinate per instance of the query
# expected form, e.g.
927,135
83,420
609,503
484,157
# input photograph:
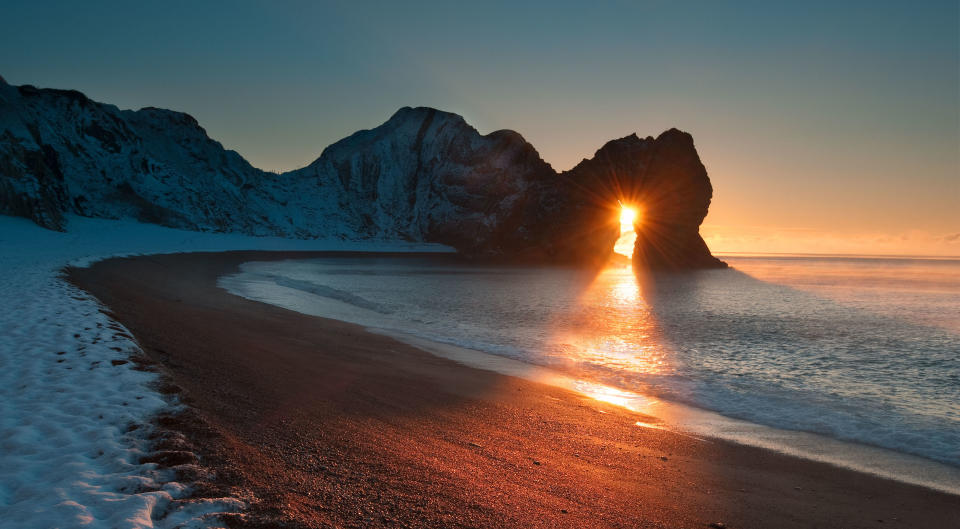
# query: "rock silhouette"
423,175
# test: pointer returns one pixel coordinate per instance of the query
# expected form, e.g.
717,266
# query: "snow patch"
74,415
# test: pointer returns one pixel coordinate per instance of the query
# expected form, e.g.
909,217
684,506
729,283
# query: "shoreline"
686,419
326,423
680,417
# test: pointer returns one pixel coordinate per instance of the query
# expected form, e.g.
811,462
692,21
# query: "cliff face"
61,152
427,175
424,175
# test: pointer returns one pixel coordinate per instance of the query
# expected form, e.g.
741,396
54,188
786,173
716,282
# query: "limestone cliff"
424,175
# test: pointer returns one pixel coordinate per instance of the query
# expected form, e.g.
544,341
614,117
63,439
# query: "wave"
327,292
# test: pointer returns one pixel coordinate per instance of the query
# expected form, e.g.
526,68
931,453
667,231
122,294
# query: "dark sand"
330,426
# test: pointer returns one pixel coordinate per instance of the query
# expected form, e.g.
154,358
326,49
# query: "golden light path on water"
611,326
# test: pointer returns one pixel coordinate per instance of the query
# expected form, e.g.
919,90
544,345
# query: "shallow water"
858,349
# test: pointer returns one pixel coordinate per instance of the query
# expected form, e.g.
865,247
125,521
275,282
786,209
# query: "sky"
826,127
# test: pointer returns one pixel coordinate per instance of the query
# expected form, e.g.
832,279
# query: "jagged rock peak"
421,113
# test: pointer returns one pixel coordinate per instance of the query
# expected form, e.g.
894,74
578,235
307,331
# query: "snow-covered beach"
74,412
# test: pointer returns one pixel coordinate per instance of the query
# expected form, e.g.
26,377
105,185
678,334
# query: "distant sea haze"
858,349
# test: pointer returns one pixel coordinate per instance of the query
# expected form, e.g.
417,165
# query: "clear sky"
825,127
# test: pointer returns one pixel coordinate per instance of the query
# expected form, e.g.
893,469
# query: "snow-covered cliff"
424,175
61,152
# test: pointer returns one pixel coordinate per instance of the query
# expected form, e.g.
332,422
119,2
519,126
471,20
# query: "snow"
68,455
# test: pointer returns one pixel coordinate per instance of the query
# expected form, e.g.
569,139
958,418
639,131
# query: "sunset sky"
828,127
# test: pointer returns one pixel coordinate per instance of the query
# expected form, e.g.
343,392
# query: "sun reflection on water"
612,395
610,327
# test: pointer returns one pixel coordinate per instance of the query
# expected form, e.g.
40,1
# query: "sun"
628,217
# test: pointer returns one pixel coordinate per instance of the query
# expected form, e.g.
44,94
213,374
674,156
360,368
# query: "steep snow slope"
63,153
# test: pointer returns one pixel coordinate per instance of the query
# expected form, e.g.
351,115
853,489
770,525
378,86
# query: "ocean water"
852,348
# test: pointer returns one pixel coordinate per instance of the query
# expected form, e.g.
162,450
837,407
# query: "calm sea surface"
858,349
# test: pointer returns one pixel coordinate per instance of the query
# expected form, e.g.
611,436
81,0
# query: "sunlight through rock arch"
630,218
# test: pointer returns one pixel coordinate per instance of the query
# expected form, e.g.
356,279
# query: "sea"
853,360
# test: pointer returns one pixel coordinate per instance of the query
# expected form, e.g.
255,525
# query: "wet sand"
323,424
